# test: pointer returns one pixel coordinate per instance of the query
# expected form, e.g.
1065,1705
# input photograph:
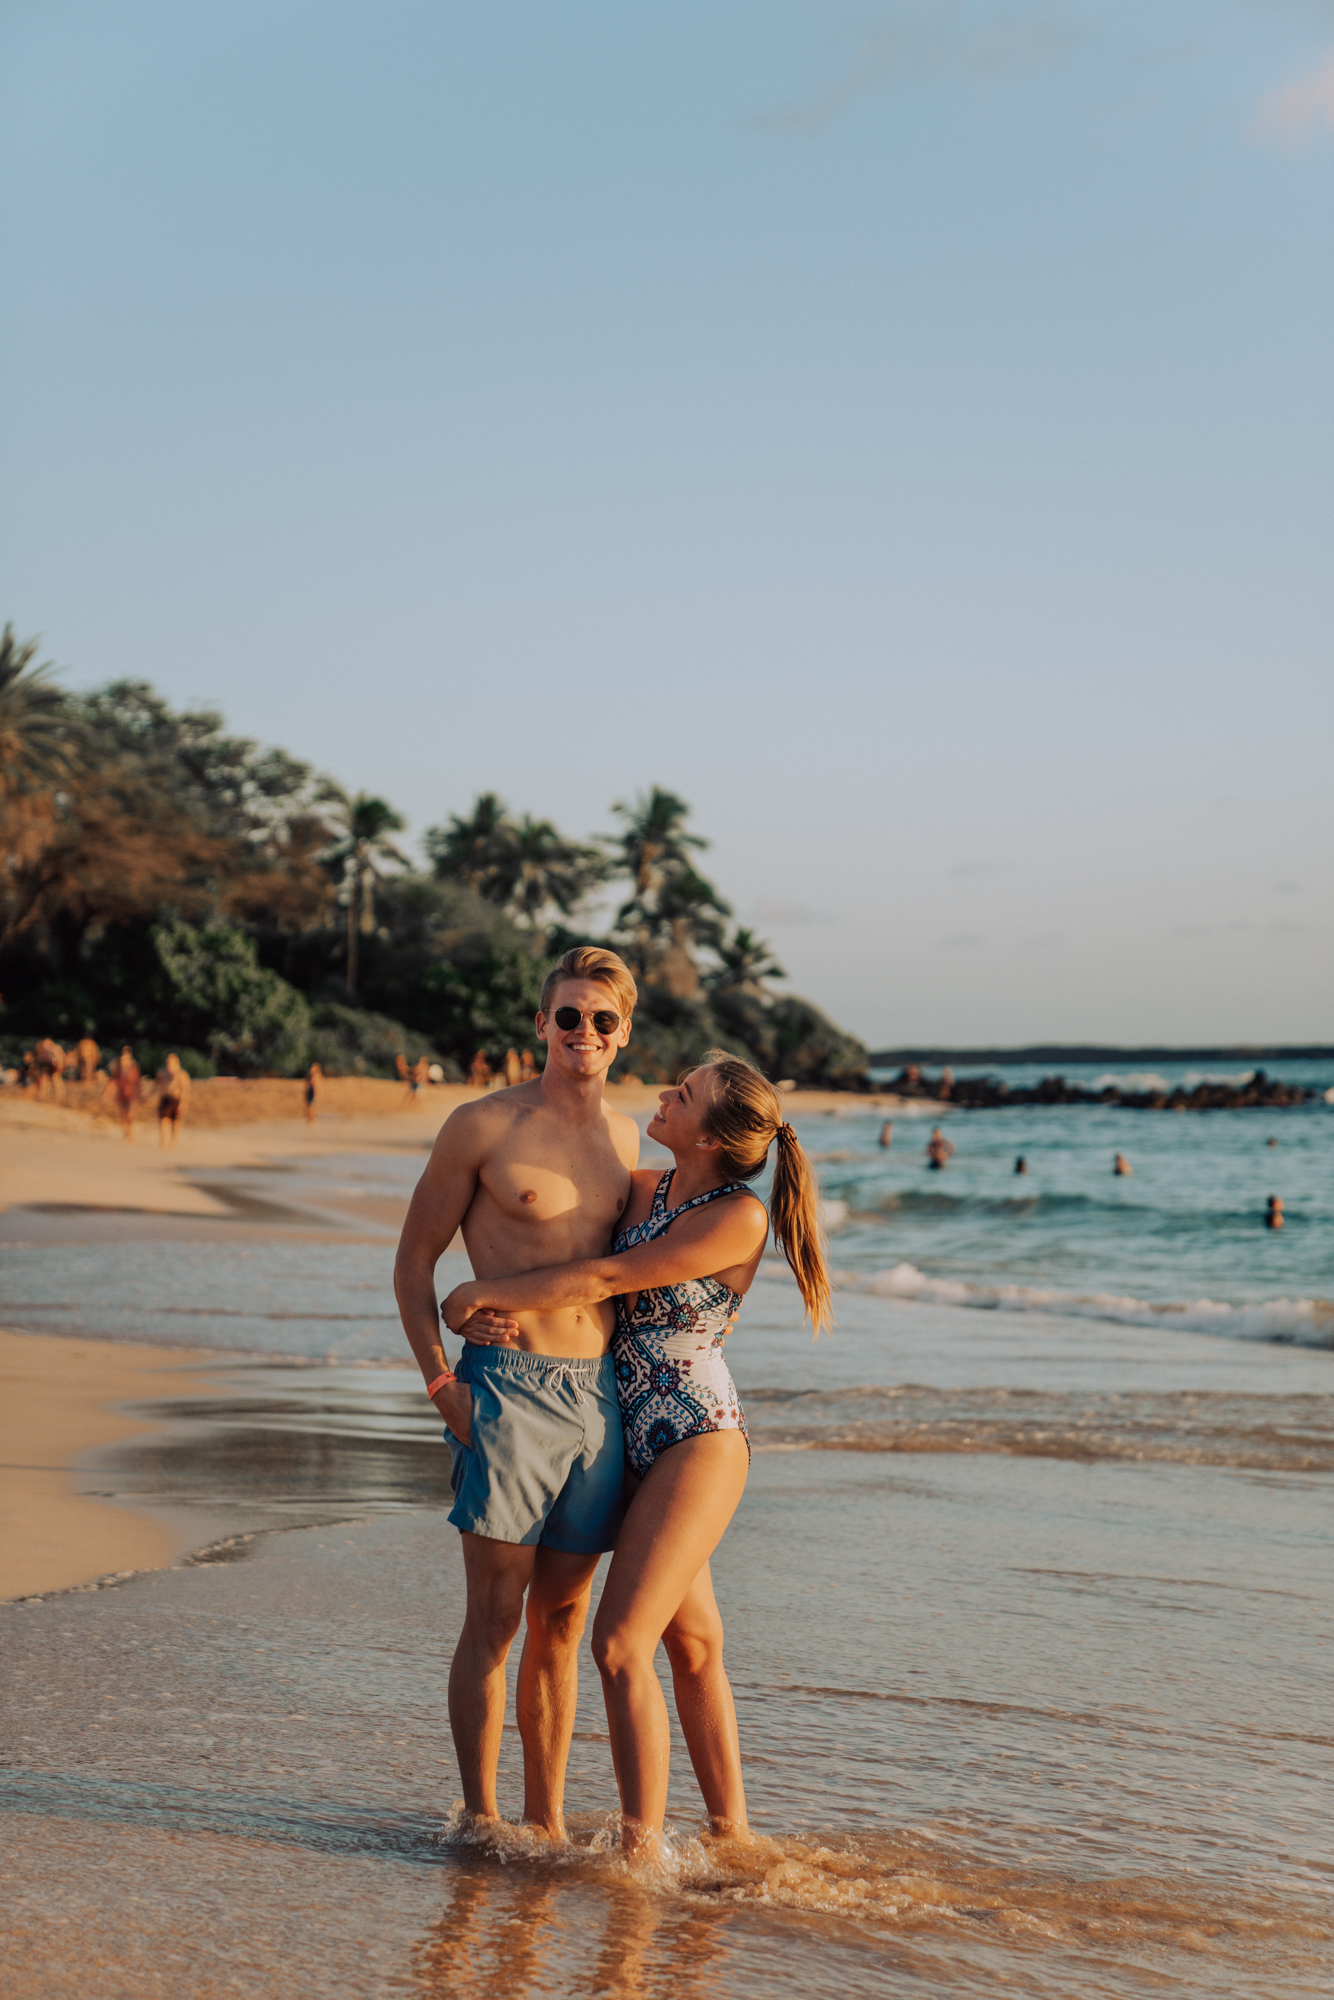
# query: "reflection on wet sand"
506,1929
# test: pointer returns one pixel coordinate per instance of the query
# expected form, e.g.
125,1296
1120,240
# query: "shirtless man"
535,1175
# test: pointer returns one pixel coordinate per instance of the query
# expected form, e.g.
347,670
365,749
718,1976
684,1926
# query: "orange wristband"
448,1376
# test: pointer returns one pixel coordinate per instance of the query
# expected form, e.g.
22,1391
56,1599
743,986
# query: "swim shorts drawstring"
566,1378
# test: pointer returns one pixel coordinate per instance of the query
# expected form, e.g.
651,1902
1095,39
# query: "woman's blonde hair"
744,1113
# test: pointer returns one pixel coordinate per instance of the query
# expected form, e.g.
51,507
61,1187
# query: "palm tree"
35,729
362,849
654,842
549,871
746,962
673,909
475,850
522,865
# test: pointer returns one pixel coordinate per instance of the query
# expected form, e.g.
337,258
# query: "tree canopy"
166,882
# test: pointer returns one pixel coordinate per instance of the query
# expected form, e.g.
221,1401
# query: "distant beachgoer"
173,1096
50,1060
479,1076
29,1067
1121,1165
1271,1142
527,1067
513,1068
401,1067
89,1059
1021,1165
887,1134
939,1151
1274,1212
314,1088
414,1077
946,1082
125,1086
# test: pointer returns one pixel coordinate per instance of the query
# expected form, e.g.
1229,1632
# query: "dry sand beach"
1029,1618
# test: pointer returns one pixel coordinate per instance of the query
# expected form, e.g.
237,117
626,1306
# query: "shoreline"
64,1158
62,1397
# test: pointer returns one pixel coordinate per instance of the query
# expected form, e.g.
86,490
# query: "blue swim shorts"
546,1465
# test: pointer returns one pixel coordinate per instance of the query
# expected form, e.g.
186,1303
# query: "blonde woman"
686,1254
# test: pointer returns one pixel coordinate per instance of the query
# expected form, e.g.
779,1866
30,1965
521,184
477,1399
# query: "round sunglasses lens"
567,1018
606,1024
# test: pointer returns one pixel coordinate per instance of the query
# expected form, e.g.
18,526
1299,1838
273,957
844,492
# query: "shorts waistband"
540,1367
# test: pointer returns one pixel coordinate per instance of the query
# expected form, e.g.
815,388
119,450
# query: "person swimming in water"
1121,1166
682,1260
1021,1165
1274,1212
939,1150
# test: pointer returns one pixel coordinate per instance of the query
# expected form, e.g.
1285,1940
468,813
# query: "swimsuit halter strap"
659,1208
697,1201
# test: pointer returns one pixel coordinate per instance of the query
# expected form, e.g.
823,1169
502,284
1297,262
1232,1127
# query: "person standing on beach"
173,1095
50,1060
314,1087
125,1087
89,1056
536,1173
685,1256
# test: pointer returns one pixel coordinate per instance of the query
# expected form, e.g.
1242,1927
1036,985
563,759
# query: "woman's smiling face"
680,1122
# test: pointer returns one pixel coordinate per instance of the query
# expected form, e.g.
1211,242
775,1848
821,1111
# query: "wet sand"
235,1775
1028,1623
59,1400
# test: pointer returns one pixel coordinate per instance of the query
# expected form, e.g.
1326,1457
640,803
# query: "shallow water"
1030,1616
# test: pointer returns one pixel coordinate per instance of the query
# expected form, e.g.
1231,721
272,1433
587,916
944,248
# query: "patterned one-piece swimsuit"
670,1374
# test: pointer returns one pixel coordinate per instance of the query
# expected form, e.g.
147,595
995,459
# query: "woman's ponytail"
794,1210
745,1114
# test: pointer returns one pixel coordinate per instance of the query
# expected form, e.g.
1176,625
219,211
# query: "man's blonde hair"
590,961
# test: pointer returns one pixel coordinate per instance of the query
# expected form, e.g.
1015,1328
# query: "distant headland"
1105,1053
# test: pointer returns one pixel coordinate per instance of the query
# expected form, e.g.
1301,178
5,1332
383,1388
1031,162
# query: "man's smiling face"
583,1050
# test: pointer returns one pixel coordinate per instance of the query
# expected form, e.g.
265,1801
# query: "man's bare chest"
581,1192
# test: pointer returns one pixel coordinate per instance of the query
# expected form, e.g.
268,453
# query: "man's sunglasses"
603,1022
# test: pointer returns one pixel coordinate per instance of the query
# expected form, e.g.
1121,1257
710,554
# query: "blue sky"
906,430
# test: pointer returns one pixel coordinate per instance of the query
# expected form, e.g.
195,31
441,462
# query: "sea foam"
1301,1322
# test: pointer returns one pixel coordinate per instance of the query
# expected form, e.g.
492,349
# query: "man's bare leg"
497,1576
549,1681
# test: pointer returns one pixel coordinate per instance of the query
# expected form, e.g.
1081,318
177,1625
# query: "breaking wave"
1292,1322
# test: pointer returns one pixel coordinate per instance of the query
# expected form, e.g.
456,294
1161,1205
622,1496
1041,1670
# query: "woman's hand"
488,1328
463,1312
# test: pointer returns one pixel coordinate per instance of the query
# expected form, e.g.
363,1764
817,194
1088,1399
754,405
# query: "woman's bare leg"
674,1523
694,1643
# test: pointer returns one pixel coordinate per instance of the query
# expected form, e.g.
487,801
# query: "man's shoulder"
477,1127
620,1123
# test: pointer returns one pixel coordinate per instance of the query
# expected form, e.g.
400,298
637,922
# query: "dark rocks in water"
982,1093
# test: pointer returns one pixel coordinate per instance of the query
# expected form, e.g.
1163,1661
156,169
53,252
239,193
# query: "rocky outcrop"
982,1093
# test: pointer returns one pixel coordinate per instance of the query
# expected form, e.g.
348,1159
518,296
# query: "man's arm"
439,1203
727,1234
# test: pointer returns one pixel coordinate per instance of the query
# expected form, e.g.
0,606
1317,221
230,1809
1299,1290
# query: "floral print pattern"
671,1377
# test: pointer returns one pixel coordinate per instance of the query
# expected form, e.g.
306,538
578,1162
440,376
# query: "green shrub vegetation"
171,886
